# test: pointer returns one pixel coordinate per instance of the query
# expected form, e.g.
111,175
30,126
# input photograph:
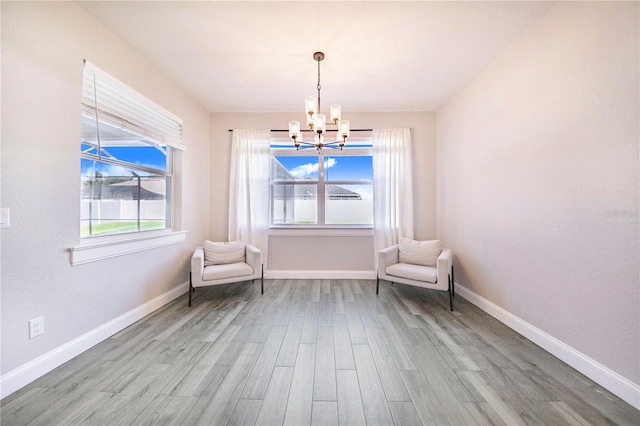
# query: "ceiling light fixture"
317,122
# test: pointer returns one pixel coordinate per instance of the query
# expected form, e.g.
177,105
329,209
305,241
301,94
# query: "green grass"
119,228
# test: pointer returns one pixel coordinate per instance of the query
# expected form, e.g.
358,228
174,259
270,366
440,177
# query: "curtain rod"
286,130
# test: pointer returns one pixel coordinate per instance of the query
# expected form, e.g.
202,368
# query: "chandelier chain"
319,87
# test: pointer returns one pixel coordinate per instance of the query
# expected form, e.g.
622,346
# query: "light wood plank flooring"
316,352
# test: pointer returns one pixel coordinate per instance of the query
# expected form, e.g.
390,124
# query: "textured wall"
43,47
537,187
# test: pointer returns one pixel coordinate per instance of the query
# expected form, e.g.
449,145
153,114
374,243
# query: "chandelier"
317,122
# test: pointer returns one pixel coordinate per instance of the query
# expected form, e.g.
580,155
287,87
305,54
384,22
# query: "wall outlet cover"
36,327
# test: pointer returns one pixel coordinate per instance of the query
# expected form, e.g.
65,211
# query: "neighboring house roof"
150,189
341,192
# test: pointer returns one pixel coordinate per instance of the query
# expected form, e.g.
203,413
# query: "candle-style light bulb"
335,113
320,124
344,130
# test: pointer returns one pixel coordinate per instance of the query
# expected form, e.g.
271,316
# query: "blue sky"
145,156
354,168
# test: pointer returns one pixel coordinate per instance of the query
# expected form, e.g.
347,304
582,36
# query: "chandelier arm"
335,142
307,146
327,146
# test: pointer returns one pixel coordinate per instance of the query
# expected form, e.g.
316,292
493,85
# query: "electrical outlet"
36,327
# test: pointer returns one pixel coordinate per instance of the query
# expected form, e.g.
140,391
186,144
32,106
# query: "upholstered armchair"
420,263
225,262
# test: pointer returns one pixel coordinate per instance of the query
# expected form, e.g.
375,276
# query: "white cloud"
331,162
111,170
304,170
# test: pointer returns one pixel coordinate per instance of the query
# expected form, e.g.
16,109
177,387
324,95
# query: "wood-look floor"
316,352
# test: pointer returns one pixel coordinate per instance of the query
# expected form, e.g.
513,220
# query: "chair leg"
453,283
377,284
262,280
190,288
450,293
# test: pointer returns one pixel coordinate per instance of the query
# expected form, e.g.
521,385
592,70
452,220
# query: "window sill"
99,248
321,231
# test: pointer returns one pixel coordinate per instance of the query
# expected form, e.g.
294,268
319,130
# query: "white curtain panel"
249,188
392,186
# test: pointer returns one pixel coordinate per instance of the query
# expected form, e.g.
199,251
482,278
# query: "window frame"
167,174
278,150
150,121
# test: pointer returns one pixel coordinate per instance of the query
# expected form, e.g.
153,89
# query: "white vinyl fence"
107,211
336,211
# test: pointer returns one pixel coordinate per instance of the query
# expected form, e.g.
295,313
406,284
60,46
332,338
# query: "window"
128,191
128,150
330,188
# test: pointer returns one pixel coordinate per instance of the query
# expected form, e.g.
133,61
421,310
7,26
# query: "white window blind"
115,103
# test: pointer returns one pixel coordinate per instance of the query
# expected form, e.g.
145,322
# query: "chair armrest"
444,265
253,257
197,264
387,257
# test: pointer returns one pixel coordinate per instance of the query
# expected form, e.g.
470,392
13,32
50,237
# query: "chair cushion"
220,253
413,272
423,253
229,270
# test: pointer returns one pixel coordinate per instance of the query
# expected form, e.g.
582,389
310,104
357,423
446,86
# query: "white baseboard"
27,373
311,275
610,380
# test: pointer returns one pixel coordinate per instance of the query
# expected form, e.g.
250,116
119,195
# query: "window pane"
117,200
294,168
349,204
147,156
339,186
294,204
352,167
120,144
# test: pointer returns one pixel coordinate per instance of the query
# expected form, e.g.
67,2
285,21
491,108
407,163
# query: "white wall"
43,47
347,253
537,184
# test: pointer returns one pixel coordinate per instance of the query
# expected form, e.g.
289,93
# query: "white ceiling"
257,56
